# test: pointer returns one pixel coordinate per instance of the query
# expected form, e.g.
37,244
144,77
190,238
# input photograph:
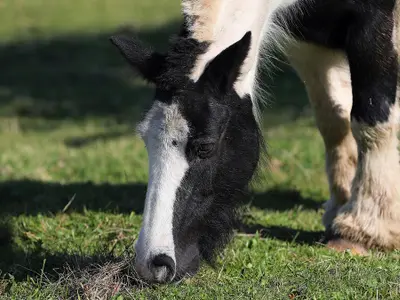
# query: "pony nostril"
163,268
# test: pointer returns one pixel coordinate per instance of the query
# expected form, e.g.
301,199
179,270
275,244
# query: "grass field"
73,173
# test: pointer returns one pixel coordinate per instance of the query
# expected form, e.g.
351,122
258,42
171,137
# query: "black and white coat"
202,136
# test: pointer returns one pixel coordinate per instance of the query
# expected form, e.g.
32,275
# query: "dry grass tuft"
107,278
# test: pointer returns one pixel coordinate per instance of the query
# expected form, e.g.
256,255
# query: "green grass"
73,173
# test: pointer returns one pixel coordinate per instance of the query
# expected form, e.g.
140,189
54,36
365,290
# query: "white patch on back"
165,133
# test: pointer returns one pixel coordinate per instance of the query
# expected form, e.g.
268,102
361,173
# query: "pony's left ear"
223,71
140,56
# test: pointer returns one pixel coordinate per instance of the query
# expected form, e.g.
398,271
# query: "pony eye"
205,150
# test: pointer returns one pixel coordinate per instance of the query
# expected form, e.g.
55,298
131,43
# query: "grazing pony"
202,134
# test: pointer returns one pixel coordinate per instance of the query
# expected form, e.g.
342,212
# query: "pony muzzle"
155,258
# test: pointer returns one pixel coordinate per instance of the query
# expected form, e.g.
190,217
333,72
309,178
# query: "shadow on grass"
279,199
286,234
34,197
79,142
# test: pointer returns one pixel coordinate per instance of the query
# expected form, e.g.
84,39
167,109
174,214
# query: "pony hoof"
341,245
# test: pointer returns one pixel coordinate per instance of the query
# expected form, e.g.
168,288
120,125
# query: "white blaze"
165,133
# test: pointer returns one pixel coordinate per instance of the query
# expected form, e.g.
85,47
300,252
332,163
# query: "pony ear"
223,71
142,57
